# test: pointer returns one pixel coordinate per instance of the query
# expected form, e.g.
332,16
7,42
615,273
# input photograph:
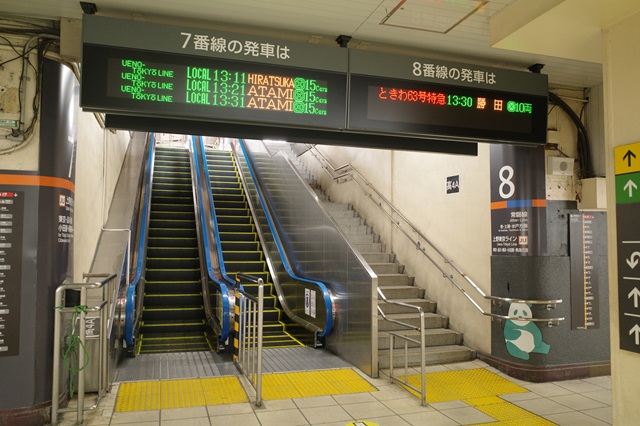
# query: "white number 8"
506,181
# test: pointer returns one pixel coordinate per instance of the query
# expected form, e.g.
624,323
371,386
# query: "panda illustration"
523,337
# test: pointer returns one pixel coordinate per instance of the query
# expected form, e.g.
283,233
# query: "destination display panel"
122,80
415,107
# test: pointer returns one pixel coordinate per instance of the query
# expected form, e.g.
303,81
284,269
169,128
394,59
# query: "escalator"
173,317
242,251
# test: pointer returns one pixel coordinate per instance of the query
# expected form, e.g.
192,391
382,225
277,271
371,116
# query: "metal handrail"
368,189
103,376
249,316
422,342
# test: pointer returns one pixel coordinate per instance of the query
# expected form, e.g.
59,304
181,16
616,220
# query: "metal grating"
184,365
179,365
432,16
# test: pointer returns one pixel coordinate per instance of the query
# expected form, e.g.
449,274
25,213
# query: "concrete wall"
621,90
99,153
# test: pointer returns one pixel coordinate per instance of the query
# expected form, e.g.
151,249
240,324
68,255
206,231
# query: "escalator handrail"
329,314
142,240
222,285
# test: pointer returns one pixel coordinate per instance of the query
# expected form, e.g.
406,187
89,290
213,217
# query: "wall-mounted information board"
138,82
399,94
154,70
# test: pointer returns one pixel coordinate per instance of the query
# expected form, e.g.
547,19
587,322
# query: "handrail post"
260,323
81,353
55,387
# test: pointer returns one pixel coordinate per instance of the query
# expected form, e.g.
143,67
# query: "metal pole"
81,354
391,344
260,321
423,400
55,387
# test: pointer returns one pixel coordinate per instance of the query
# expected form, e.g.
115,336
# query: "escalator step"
216,185
228,208
172,252
163,287
234,236
234,245
172,299
245,266
237,198
236,228
224,211
172,313
220,179
242,256
161,198
172,223
172,242
172,274
172,233
246,220
169,207
172,263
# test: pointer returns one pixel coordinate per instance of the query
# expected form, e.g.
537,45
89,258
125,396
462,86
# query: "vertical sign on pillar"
627,170
518,201
11,225
584,275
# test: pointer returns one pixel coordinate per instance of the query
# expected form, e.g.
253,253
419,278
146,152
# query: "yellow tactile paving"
165,394
464,384
313,383
478,388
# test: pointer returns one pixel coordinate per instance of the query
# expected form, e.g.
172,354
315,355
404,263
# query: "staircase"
443,345
241,249
173,318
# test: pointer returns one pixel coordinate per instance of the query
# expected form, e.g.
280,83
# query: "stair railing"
349,173
395,335
249,318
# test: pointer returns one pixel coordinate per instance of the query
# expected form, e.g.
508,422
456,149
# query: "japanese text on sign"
204,42
444,72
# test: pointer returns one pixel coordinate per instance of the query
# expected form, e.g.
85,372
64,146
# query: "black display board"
153,70
153,83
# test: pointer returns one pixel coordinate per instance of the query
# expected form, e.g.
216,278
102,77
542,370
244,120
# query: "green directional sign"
628,188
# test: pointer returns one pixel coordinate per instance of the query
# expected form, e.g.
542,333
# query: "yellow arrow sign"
627,158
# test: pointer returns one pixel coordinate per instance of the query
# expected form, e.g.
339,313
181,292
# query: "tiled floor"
575,402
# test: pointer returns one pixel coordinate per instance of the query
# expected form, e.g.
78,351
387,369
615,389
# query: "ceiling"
557,33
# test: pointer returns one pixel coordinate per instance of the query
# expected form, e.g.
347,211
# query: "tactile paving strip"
313,383
165,394
478,388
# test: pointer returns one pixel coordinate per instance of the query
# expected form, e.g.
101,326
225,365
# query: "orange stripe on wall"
498,205
30,180
539,203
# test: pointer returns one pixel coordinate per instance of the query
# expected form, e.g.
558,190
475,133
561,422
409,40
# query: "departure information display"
413,107
211,88
147,69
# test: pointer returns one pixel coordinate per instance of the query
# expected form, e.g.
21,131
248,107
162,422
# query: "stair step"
402,292
433,355
431,320
378,257
433,337
390,308
387,268
387,280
